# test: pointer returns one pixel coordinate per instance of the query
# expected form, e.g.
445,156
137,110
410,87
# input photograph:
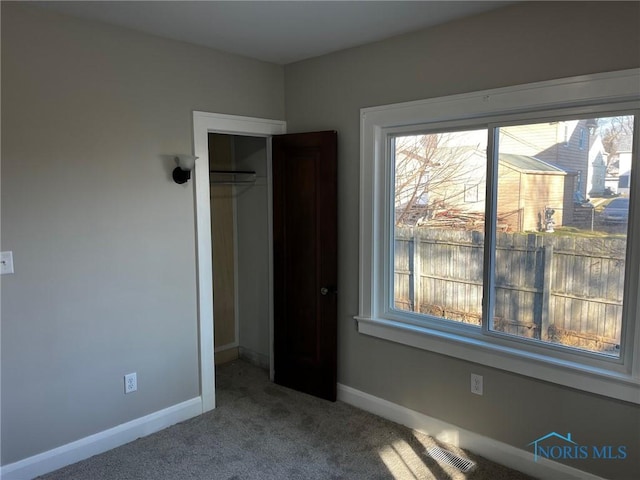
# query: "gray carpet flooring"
260,430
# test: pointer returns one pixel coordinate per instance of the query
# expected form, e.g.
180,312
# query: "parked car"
616,211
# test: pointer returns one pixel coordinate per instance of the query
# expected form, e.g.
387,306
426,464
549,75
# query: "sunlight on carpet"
403,462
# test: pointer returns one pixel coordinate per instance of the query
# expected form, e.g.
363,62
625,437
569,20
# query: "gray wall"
518,44
103,240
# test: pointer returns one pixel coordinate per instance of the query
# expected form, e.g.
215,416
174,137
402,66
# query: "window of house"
582,141
473,243
471,194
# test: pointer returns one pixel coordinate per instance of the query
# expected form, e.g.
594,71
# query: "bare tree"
616,133
431,172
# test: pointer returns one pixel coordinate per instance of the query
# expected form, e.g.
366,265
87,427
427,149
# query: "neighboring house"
442,187
550,166
621,164
566,144
624,183
528,188
436,172
597,171
450,185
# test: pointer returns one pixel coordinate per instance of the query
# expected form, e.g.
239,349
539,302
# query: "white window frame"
595,94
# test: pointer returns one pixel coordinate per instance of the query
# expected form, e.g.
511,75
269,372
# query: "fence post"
416,270
547,284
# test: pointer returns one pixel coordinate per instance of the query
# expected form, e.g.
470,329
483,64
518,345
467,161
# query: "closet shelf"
232,177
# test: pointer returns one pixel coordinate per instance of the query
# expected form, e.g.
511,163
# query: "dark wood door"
305,262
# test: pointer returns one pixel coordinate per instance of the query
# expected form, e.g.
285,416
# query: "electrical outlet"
476,384
130,382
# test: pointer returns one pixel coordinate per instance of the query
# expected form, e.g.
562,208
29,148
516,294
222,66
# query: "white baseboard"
100,442
498,452
228,346
255,358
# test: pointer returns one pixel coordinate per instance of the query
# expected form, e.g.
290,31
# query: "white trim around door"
203,124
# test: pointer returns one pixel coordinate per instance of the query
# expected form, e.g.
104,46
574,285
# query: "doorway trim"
203,124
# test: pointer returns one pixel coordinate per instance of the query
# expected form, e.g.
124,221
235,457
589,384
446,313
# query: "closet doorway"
240,234
205,123
234,197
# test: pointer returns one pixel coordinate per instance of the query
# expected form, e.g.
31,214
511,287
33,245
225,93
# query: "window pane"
563,204
439,224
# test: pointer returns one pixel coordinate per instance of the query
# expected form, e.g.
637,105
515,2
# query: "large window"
503,233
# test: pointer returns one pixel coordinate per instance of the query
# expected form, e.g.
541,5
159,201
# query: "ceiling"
280,32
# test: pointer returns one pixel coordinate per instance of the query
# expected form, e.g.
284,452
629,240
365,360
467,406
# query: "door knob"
328,290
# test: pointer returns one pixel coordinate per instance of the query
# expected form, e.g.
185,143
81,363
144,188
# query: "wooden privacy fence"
560,289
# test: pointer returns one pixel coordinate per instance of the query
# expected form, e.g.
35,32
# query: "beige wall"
103,240
518,44
223,247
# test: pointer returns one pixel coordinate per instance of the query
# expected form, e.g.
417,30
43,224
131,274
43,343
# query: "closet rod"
233,174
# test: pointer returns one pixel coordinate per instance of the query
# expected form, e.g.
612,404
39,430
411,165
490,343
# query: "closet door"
305,262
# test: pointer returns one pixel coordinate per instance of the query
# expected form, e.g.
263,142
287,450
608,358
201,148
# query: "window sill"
600,381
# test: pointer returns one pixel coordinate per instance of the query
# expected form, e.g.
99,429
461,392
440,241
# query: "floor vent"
444,456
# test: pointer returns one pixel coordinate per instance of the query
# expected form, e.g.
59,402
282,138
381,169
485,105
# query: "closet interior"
240,243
